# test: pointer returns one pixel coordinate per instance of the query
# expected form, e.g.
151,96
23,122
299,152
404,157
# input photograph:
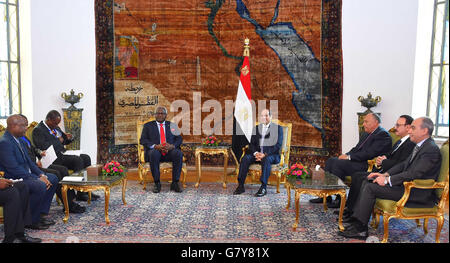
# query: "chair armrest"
2,173
141,154
418,183
371,164
244,150
282,158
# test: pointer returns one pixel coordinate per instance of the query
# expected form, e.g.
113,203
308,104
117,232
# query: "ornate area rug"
212,214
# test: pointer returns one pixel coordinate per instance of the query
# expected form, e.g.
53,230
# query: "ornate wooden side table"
321,184
92,183
211,150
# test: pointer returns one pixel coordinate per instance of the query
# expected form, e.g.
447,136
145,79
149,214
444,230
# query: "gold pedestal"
361,116
72,125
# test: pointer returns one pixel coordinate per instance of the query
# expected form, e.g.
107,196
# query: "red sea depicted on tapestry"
196,46
192,50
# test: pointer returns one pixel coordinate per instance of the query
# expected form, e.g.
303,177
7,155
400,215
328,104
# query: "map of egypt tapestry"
188,54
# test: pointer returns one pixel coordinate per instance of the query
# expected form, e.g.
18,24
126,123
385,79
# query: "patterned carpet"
212,214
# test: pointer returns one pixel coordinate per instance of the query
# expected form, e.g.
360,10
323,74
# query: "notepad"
73,179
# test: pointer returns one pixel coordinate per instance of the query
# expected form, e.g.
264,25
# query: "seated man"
375,142
17,165
58,170
49,133
265,147
400,151
161,140
423,163
14,198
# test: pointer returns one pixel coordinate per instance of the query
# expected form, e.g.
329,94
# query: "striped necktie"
416,149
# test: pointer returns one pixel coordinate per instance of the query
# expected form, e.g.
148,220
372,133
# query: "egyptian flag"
243,114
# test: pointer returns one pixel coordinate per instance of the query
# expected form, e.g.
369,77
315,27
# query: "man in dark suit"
18,165
49,133
423,163
161,140
265,146
399,152
59,170
14,198
375,142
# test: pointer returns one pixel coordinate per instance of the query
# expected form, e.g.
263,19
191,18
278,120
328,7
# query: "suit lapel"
424,145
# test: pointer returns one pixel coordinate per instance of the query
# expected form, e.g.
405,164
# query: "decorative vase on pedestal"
72,119
368,102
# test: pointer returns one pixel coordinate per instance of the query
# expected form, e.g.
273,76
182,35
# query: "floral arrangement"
113,168
298,171
211,141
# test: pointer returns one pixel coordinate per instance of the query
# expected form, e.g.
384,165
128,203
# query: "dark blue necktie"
396,146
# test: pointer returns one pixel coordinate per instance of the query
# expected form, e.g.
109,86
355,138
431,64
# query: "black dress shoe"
175,187
336,203
27,239
320,200
157,188
46,222
82,196
239,190
353,232
261,192
76,208
94,197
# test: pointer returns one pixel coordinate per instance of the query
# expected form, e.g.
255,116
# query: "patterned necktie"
416,149
54,133
162,135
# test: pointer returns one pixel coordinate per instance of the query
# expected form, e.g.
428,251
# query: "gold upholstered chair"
144,167
391,209
277,169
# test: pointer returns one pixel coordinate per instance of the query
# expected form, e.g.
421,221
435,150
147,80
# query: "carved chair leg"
425,225
278,182
386,229
440,221
418,223
184,171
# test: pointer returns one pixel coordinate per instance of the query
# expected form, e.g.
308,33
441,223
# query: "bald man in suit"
423,163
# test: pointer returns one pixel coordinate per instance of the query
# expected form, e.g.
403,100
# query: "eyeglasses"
398,125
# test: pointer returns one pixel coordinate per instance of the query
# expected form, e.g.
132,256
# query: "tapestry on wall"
186,56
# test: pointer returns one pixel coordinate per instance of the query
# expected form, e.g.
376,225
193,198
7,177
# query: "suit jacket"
15,162
379,143
150,135
272,141
43,138
425,165
398,156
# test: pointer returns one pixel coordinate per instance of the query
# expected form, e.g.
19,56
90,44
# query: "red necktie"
162,135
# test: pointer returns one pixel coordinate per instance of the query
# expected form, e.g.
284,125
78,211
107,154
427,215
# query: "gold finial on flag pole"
247,47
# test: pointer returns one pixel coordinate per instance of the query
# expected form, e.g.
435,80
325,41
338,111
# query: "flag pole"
237,142
247,47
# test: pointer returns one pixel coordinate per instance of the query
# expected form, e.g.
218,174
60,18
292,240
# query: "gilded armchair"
277,169
144,167
391,209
